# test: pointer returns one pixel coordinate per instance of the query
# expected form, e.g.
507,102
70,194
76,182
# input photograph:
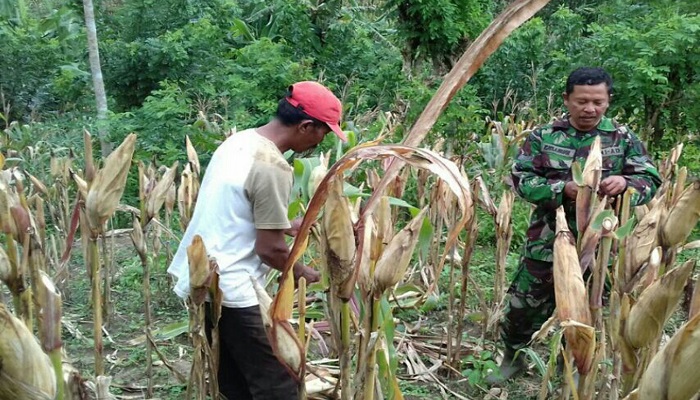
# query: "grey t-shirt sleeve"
268,186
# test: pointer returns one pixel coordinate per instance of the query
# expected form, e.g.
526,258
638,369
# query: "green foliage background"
174,68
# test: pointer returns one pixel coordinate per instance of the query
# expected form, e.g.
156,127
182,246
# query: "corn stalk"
203,281
102,197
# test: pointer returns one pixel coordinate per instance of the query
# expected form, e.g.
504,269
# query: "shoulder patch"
612,151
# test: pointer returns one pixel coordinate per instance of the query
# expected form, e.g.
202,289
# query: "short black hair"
588,76
289,115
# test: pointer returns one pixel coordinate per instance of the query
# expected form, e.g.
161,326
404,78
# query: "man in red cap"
241,215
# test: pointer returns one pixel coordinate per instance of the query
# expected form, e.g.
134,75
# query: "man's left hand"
612,185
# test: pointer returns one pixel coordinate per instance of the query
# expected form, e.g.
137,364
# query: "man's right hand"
571,190
310,274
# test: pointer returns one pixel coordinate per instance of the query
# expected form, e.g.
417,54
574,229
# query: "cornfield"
616,286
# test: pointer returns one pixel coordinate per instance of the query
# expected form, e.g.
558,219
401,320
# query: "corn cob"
106,189
340,239
682,217
396,257
643,240
26,370
672,373
571,297
655,305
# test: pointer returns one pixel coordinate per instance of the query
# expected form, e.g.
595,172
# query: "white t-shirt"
246,187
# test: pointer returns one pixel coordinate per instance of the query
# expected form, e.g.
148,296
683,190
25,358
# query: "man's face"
309,135
587,105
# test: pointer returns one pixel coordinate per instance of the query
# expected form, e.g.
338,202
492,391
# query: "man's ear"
305,124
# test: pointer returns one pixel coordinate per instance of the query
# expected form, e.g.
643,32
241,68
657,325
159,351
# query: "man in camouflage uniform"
542,176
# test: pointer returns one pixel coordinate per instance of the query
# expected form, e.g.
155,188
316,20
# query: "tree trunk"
97,81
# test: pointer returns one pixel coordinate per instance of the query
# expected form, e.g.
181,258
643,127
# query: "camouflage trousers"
531,302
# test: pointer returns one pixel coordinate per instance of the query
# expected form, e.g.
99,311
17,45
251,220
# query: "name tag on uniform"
612,151
550,148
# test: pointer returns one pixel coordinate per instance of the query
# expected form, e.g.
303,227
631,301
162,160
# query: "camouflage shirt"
543,166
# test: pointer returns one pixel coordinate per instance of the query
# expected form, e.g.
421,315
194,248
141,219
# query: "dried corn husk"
38,185
652,270
264,301
287,348
673,373
192,156
138,239
364,278
340,240
108,186
694,301
7,201
80,183
656,304
395,258
679,185
26,372
200,272
591,237
156,198
5,268
317,174
592,171
571,297
682,217
186,196
48,300
643,240
384,221
170,199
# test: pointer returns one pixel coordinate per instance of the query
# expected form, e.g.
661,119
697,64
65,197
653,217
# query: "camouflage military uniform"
540,171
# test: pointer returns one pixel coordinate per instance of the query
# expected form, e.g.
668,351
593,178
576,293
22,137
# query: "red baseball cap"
318,102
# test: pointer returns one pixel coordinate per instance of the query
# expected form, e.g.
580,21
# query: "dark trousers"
248,369
531,302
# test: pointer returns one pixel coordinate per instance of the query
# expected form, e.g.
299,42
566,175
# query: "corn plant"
376,265
153,193
204,281
101,190
646,286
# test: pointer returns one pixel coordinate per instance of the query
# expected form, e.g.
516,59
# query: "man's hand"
612,185
571,190
310,274
294,229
